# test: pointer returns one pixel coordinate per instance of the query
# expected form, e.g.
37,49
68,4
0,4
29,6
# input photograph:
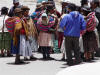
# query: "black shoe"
70,64
33,58
26,59
2,55
19,62
50,58
77,62
44,59
63,59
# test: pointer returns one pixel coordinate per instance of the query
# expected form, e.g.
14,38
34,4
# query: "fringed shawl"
32,31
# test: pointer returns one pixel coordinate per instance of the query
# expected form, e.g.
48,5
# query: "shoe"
76,62
44,59
50,58
26,59
63,59
19,62
70,64
33,58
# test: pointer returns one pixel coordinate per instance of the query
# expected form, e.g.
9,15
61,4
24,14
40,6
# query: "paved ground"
38,67
92,68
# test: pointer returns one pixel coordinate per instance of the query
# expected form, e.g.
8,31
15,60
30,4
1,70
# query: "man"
72,24
16,5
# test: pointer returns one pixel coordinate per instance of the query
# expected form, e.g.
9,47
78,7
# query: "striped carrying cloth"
10,24
91,22
36,15
43,27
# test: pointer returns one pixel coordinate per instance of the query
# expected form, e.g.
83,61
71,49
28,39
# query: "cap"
15,1
25,8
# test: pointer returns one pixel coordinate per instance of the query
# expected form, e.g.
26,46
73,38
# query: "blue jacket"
72,24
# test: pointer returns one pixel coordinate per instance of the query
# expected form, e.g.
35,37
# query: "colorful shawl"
36,15
42,27
91,22
11,22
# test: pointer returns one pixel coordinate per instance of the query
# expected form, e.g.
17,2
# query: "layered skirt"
90,41
25,47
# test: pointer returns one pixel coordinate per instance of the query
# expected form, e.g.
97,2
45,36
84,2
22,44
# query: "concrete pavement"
38,67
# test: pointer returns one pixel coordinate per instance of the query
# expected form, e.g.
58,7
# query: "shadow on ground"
13,63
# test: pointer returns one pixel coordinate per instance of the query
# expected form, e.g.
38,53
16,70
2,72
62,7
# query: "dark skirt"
90,41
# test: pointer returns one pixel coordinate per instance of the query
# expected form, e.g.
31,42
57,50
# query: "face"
20,14
52,11
15,4
44,18
26,13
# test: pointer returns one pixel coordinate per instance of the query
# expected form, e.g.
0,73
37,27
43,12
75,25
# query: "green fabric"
5,41
56,49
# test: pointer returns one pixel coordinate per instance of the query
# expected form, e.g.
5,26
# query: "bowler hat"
17,10
25,8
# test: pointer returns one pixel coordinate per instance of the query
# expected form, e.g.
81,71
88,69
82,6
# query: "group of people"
74,32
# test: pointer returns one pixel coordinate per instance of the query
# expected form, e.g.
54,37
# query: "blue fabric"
73,23
14,49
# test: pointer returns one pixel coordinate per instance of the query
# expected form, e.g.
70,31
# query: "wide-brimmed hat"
39,5
25,8
17,10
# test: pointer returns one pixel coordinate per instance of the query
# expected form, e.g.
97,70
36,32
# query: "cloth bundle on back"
91,22
11,22
47,27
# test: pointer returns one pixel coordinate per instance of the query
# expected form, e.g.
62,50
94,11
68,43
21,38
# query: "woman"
30,43
89,38
44,25
4,40
14,25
